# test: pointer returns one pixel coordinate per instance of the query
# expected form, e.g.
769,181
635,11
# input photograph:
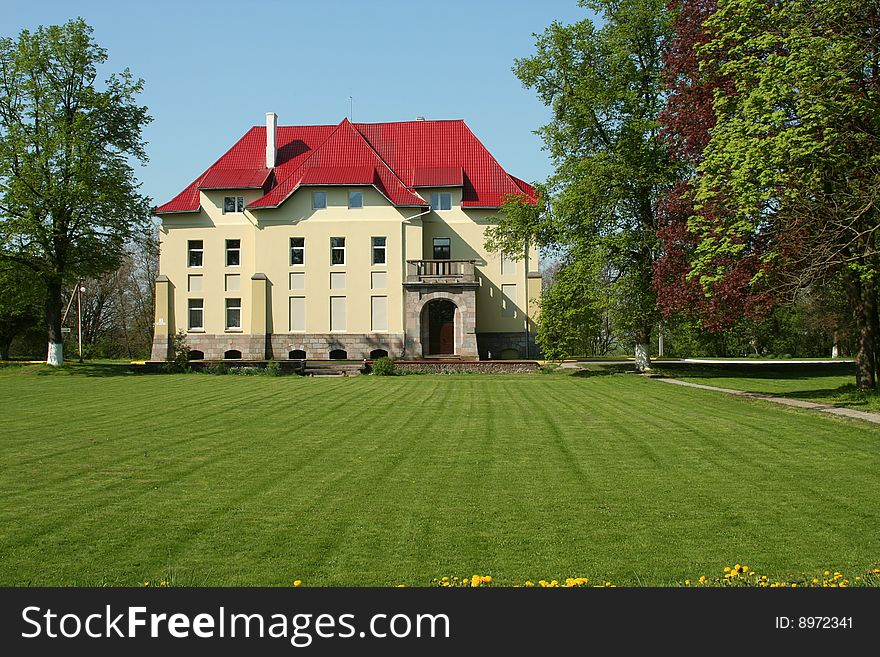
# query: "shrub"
273,368
179,361
219,368
384,367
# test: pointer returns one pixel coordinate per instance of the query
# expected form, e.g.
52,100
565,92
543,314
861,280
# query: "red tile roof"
393,157
235,178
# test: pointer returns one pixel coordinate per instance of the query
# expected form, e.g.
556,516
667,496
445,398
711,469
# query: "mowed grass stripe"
370,481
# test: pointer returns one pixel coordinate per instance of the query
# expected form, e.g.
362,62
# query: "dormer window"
441,201
233,204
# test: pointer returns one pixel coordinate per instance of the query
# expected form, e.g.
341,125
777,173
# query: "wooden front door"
441,327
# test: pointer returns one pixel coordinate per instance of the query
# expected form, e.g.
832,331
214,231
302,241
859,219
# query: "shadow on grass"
602,370
88,369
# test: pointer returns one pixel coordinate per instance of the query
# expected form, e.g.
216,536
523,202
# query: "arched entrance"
440,316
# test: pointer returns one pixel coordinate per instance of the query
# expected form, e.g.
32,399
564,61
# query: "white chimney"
271,125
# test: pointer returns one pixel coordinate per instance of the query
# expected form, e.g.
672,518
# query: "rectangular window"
233,282
378,250
297,280
195,253
355,200
441,248
233,313
508,300
233,253
297,313
508,265
378,280
441,201
233,204
337,250
297,250
379,313
196,314
337,313
319,200
194,283
337,280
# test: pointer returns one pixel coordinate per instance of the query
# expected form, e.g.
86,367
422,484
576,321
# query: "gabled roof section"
344,150
396,158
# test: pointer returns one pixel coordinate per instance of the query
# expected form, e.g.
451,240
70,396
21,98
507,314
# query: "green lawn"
110,478
817,383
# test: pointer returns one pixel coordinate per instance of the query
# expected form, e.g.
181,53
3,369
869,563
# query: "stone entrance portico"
430,280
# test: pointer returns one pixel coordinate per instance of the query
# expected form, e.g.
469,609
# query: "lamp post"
79,290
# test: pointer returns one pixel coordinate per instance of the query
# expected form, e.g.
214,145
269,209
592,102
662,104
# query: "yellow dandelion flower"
297,582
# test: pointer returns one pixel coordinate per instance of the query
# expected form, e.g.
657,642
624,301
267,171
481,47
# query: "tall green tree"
601,80
794,155
69,200
20,305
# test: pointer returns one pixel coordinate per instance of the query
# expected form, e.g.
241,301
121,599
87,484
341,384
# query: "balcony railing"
440,271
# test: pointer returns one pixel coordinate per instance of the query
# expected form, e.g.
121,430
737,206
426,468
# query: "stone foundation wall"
252,347
319,345
496,343
468,367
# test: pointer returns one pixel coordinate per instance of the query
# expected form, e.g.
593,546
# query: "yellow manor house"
347,241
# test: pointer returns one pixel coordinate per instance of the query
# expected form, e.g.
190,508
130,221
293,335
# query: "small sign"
65,330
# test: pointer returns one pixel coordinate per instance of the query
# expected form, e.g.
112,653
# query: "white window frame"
337,248
237,203
355,207
190,307
227,307
383,247
314,198
301,248
437,203
233,249
190,250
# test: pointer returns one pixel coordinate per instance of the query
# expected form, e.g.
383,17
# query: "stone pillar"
163,323
465,299
259,321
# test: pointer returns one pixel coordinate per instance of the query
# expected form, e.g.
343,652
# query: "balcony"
440,272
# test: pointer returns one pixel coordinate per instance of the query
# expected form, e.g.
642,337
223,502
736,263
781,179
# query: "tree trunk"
55,355
863,302
643,349
5,344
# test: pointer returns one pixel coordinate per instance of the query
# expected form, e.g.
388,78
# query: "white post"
660,340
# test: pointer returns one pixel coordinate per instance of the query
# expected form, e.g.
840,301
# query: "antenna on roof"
350,108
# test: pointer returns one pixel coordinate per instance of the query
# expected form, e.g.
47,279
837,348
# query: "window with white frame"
355,200
319,200
297,250
508,265
233,253
508,300
441,201
233,314
233,204
337,313
337,250
196,314
195,250
378,250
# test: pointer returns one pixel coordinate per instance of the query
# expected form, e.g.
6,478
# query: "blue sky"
213,69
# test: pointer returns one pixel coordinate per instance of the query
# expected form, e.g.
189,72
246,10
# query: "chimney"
420,118
271,125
